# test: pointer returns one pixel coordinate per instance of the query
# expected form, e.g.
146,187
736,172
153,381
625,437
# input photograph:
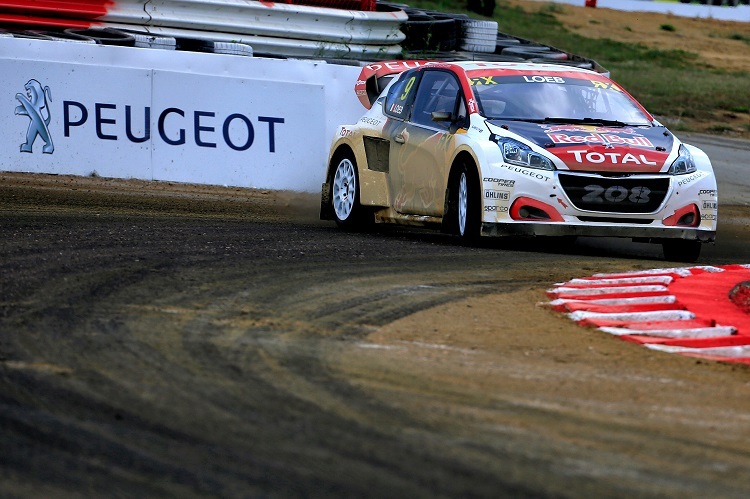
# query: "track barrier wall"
124,112
276,29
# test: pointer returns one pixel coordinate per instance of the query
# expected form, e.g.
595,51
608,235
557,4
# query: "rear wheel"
681,250
345,205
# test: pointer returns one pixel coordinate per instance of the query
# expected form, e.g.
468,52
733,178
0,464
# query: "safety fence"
379,31
270,28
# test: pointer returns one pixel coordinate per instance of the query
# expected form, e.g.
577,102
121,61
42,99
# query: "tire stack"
478,36
456,37
430,31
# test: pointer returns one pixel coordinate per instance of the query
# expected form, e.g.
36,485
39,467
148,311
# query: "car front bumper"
655,234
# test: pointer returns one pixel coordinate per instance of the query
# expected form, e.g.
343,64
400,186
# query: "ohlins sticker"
34,105
498,195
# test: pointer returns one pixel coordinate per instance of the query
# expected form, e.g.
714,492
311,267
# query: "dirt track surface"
163,340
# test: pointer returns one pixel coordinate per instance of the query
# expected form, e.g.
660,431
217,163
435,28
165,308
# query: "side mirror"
442,116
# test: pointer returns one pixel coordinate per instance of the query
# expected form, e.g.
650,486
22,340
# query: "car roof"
530,67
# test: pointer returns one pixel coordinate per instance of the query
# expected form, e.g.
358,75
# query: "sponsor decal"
370,121
597,194
173,125
500,181
396,108
707,192
691,178
398,65
477,129
608,139
527,172
543,79
346,132
614,158
709,205
500,195
497,209
707,216
605,85
35,106
472,105
482,80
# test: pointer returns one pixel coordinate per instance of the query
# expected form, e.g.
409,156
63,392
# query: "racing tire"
681,250
478,36
463,216
345,207
106,36
427,32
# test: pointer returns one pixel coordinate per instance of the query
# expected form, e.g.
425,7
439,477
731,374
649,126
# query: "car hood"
599,148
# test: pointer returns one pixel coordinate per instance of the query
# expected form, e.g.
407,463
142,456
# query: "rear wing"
375,77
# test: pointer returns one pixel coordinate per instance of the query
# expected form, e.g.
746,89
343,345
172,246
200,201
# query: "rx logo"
34,105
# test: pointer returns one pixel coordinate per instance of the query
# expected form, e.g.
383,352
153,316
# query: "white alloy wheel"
463,203
344,189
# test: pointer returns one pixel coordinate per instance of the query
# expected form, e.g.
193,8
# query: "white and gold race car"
516,149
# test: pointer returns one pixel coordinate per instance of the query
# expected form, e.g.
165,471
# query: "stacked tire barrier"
456,37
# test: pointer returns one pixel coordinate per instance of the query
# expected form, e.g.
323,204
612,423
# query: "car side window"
438,92
401,95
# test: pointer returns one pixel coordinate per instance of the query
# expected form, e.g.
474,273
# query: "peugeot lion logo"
34,105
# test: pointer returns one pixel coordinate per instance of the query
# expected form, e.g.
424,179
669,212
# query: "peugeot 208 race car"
505,149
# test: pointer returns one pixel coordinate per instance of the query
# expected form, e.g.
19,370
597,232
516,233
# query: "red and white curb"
683,310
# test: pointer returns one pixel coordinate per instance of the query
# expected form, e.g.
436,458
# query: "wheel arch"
465,158
341,149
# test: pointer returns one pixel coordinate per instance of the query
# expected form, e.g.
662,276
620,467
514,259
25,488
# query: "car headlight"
518,153
684,162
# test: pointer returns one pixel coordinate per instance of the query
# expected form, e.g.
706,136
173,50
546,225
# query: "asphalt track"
162,340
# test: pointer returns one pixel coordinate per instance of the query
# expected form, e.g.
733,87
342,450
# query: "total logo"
615,158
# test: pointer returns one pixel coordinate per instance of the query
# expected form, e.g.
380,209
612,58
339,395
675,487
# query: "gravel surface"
169,340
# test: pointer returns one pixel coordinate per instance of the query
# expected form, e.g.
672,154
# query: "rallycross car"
506,149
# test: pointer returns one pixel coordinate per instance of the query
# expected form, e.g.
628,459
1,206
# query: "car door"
421,148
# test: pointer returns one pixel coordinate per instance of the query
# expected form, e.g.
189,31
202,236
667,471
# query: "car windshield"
556,99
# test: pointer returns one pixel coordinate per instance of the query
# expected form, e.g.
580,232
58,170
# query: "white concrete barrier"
123,112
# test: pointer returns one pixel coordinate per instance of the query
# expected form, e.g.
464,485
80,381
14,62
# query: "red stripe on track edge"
692,316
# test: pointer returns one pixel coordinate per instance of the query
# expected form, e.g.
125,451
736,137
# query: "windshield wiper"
575,121
589,121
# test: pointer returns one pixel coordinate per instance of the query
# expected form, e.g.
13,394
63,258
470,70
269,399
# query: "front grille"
633,194
612,220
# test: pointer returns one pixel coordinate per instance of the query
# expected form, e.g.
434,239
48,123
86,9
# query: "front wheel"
463,215
681,250
345,204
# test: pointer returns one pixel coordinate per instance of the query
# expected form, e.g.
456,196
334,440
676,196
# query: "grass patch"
667,82
720,128
667,27
740,37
